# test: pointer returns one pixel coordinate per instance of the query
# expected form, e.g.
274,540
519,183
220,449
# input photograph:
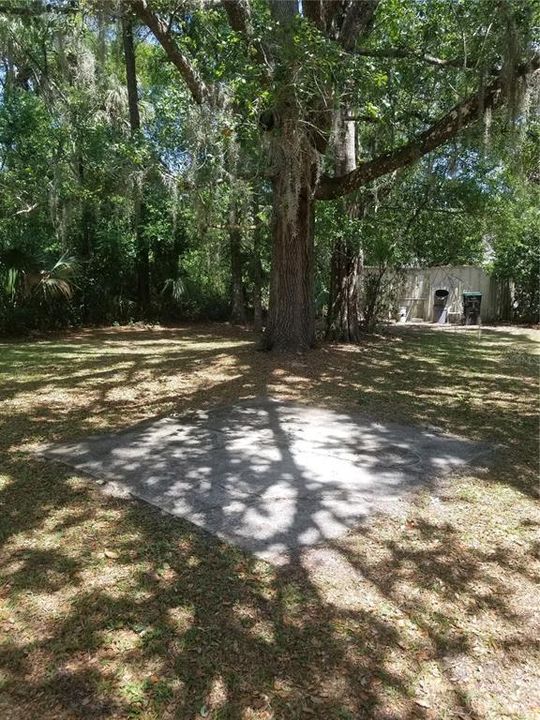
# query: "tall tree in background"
139,208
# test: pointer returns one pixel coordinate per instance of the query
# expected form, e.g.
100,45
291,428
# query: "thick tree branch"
374,119
239,15
352,17
193,80
313,10
463,114
357,21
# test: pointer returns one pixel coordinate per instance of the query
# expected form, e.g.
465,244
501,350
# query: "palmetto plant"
176,287
57,281
26,277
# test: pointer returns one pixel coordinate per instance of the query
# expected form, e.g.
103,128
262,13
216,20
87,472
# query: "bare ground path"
110,610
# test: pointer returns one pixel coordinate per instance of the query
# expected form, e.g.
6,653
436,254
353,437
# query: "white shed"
418,285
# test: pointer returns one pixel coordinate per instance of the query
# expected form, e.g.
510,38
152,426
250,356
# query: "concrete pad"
266,475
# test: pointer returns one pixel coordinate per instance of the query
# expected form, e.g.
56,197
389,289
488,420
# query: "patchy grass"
110,610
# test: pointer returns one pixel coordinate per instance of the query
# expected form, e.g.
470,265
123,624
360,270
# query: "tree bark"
143,253
346,259
87,215
345,266
291,316
131,74
238,304
257,271
86,231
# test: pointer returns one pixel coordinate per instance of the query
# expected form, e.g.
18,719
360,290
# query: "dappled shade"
110,609
267,475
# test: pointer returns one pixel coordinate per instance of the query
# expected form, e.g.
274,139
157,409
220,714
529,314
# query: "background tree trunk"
238,305
143,252
142,248
346,259
87,215
345,265
257,270
87,232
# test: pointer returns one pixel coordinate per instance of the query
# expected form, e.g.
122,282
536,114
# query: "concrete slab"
267,475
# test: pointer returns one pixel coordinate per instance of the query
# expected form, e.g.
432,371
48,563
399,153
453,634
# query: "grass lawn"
110,610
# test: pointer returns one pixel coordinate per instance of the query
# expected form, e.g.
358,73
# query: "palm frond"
174,286
56,282
12,282
52,287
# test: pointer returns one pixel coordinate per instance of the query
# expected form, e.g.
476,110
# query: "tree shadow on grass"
176,624
114,610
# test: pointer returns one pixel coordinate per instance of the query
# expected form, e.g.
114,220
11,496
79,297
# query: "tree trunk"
291,317
87,215
131,74
342,319
257,296
139,210
257,272
143,253
346,260
86,232
238,306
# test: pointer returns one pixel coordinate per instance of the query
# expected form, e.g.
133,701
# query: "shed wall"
418,287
